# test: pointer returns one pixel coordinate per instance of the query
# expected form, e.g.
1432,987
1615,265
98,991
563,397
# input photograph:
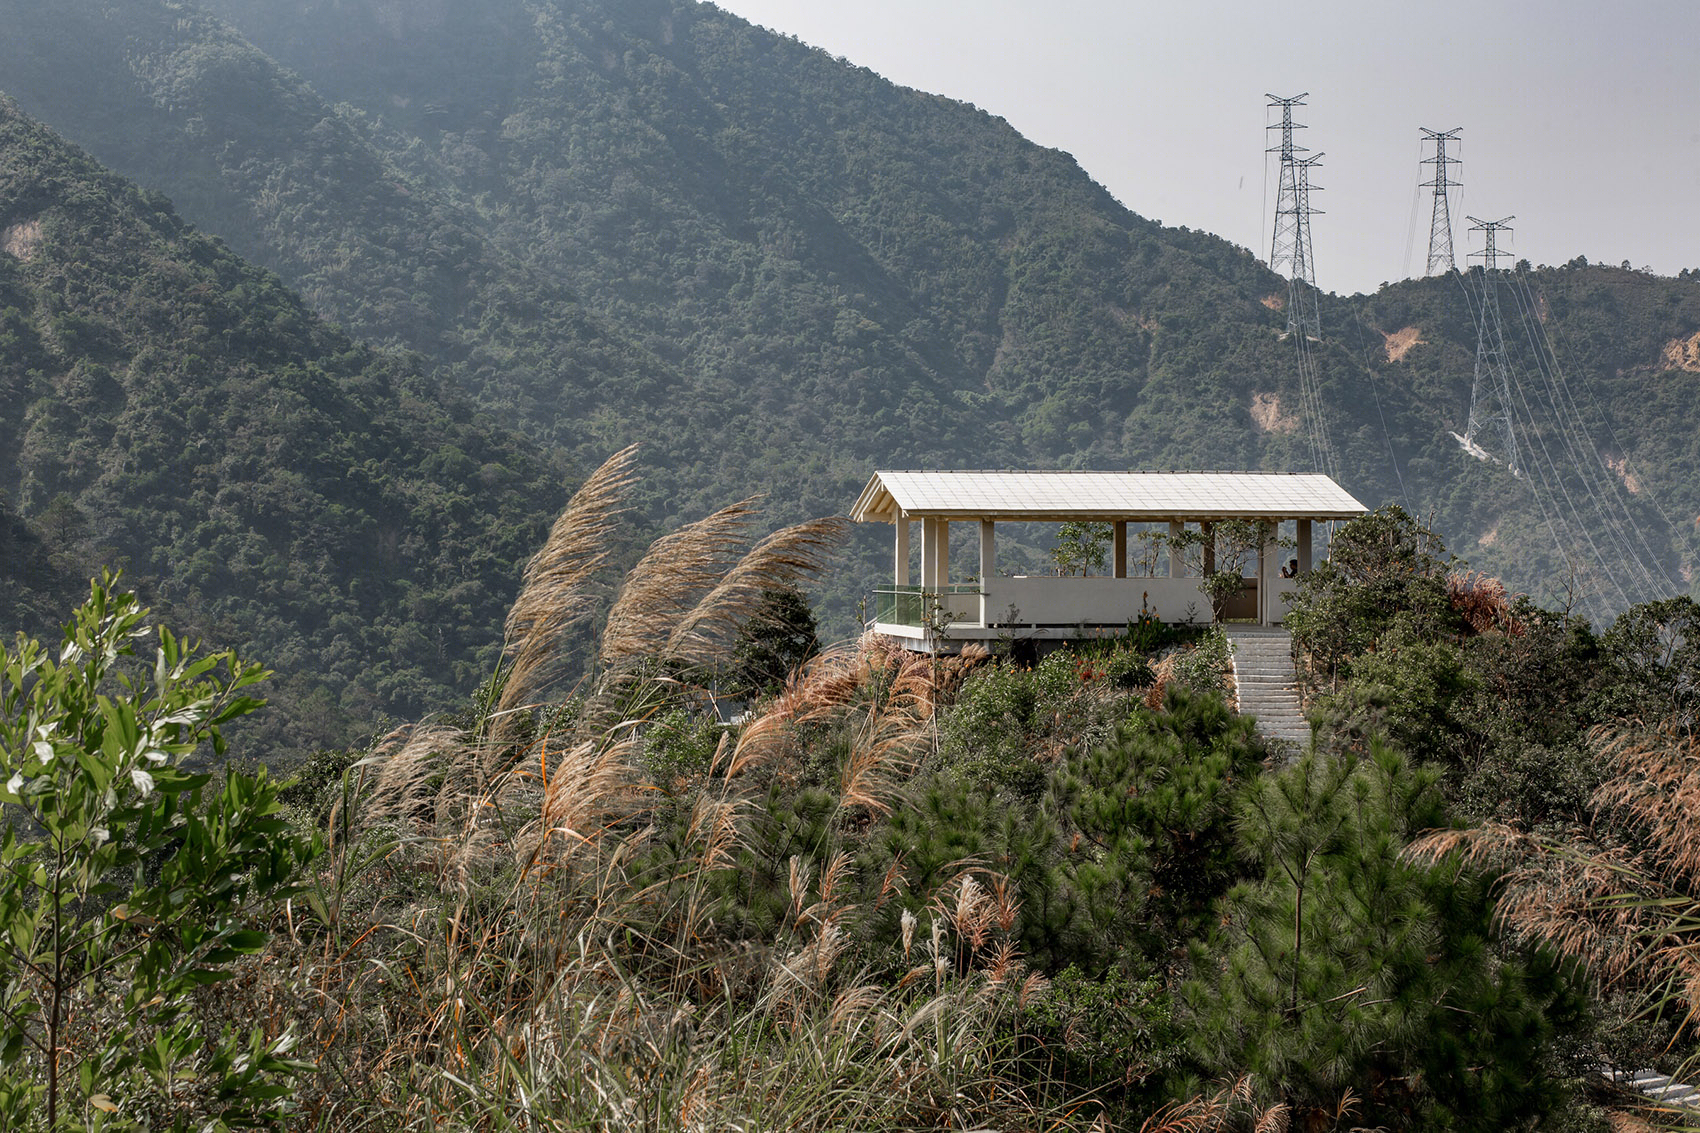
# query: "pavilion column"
929,553
901,556
988,567
1118,549
1209,529
1304,546
1265,577
944,553
1177,562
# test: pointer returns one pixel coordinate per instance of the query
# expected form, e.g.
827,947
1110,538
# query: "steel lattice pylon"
1440,225
1289,244
1490,393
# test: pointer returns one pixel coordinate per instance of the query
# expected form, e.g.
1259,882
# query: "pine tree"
1348,969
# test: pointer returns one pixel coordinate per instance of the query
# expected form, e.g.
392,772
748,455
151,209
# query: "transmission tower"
1289,245
1303,314
1490,393
1440,227
1285,237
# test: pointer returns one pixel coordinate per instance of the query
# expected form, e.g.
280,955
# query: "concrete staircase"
1264,679
1676,1097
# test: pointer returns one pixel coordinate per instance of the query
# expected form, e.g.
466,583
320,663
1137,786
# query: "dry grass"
555,591
1482,601
1622,898
1626,909
503,785
1231,1107
541,955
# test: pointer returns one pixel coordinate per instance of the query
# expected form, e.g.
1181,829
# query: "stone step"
1659,1088
1265,685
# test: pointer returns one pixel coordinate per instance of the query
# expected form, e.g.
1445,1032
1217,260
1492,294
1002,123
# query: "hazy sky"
1582,119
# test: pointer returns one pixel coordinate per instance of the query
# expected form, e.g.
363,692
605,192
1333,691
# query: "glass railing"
919,605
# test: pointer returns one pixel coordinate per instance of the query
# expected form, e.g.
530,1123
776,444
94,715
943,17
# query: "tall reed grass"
517,930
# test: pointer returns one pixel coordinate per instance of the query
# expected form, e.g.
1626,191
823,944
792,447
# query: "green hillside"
171,410
652,221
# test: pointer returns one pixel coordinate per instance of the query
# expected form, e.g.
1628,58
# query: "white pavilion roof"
1140,496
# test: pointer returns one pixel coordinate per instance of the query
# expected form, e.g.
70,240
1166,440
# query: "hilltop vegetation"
489,243
904,892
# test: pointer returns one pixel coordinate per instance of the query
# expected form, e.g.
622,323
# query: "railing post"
901,575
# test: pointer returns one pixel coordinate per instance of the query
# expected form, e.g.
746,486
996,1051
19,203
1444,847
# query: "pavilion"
935,612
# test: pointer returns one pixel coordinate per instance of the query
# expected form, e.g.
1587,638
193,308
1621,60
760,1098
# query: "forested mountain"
436,260
649,220
169,409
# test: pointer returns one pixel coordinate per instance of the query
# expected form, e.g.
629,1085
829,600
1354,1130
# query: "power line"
1572,485
1490,392
1680,541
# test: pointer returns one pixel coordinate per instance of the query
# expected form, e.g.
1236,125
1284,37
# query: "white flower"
155,756
15,785
142,780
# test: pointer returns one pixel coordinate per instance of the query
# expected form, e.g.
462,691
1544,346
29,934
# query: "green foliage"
1148,818
679,745
1348,966
127,882
1009,721
1653,656
1108,1028
1418,694
1205,666
773,644
1081,548
1385,574
265,480
947,826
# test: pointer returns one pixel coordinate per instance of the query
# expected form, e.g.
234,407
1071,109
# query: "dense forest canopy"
173,411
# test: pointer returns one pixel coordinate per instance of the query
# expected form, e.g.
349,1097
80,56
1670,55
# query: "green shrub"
127,882
1009,722
1205,666
679,746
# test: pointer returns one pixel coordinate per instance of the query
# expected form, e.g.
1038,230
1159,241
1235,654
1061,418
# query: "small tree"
1350,969
1081,547
774,643
1227,550
123,889
1385,572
